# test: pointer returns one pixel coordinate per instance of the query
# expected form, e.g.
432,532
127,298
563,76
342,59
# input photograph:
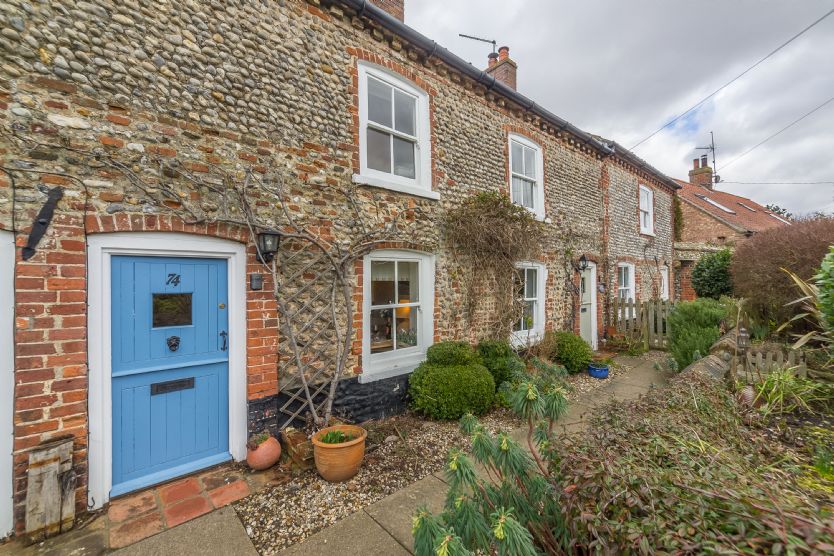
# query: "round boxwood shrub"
572,351
501,361
452,353
711,275
451,391
693,328
451,382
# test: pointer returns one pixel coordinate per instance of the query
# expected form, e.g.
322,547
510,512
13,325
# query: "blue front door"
170,368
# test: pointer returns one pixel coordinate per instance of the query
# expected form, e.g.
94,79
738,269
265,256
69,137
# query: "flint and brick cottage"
128,319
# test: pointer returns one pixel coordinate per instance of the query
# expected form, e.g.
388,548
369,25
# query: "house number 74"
173,279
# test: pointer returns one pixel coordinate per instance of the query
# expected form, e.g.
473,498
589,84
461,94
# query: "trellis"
309,312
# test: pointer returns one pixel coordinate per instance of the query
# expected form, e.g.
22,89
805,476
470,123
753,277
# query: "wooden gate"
647,320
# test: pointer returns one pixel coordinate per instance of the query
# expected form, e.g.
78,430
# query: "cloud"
623,69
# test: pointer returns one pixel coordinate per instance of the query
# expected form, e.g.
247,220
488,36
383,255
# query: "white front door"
6,380
588,305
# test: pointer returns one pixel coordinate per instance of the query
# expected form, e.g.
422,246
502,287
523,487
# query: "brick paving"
134,517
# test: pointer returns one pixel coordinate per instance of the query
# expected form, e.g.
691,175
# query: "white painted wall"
6,380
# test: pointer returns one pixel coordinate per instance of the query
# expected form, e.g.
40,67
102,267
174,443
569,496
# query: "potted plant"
262,451
338,451
598,369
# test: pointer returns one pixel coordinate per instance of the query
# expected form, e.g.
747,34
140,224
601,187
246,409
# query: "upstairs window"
526,171
394,133
646,210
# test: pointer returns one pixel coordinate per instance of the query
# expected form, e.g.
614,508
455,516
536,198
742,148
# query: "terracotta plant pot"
265,455
339,462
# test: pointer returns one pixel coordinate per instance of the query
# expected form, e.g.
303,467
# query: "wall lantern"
743,339
583,263
268,242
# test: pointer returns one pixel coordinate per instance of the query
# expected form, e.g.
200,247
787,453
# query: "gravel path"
400,451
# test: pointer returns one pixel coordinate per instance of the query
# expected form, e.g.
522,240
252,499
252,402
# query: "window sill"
385,184
391,368
647,233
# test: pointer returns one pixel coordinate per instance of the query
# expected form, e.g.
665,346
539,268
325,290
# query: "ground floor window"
625,281
664,283
397,316
529,287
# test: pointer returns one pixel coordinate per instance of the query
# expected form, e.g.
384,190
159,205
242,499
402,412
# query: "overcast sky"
623,69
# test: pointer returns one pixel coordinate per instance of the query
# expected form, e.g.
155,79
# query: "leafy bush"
825,288
451,382
647,478
572,351
501,360
757,264
711,275
693,328
452,353
781,391
513,508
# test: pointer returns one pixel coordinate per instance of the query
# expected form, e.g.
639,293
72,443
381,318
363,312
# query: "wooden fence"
760,362
647,320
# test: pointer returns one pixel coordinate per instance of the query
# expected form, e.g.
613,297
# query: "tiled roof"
739,212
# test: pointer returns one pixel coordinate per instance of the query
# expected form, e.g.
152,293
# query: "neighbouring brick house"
104,104
713,220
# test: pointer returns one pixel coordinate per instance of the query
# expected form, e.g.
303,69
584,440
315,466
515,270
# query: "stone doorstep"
141,515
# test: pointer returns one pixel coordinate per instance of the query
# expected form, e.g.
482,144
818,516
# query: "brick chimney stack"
394,7
701,174
502,67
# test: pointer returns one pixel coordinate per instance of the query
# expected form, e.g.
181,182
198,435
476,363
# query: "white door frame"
592,285
7,266
100,249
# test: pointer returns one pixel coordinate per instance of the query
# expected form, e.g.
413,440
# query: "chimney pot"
502,67
704,163
701,173
695,164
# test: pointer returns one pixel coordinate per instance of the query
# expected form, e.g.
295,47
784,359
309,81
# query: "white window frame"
631,282
538,194
648,211
664,283
377,366
7,270
421,184
527,337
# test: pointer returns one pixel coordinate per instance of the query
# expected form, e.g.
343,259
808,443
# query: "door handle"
223,335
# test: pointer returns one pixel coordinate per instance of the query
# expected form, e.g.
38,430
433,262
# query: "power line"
759,144
736,78
779,182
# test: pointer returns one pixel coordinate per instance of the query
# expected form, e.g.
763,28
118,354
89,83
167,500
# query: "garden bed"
401,450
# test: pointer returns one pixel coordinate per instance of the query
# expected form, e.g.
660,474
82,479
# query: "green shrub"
572,351
498,357
452,353
825,285
711,275
693,328
451,391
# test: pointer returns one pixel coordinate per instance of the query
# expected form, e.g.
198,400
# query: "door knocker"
173,343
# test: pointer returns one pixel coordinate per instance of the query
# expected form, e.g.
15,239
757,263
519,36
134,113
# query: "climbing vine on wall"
489,235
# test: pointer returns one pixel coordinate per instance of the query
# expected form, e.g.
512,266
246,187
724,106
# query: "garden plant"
711,275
